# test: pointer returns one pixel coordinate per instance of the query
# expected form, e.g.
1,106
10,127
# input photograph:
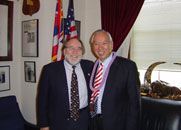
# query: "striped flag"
70,27
58,33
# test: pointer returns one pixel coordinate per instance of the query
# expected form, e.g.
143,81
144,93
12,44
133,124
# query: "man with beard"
56,109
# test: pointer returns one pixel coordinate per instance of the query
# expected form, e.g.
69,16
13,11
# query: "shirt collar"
106,62
69,66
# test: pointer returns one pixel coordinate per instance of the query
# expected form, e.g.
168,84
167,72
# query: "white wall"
93,22
86,11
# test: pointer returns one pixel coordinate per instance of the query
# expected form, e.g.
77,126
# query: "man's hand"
44,128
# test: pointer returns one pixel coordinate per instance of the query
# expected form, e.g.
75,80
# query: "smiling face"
73,52
102,46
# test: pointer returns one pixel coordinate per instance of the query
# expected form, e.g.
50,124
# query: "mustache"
68,59
74,55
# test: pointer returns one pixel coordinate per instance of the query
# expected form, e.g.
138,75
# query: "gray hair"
101,31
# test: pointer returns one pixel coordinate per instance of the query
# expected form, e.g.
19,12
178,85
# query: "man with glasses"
62,100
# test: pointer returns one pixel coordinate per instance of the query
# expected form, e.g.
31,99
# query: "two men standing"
114,100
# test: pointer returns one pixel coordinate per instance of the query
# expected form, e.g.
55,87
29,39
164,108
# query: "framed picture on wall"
30,71
6,30
30,38
4,78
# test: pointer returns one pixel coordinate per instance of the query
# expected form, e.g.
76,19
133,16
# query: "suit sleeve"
133,117
42,99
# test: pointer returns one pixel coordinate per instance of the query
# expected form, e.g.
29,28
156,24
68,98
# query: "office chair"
11,117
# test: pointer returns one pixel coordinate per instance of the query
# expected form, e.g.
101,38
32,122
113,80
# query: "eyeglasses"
71,48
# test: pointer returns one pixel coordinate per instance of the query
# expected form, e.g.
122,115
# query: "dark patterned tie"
74,111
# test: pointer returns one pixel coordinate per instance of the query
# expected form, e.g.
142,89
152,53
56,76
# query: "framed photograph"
30,38
77,24
30,71
4,78
6,30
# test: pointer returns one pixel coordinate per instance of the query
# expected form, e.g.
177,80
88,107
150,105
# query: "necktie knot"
73,67
101,64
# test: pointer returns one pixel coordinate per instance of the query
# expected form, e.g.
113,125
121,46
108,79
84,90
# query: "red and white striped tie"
97,83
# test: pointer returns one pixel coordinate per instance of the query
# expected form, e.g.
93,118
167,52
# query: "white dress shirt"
82,86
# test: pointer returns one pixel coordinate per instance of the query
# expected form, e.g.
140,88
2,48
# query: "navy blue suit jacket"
121,98
52,98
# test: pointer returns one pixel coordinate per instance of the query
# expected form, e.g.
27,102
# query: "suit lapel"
87,75
63,82
108,85
86,72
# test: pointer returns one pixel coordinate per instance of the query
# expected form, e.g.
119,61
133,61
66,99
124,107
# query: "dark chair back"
160,114
10,115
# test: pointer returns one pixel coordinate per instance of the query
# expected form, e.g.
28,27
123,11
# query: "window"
157,37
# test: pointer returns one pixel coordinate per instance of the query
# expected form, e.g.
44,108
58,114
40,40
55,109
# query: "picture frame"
6,30
77,24
4,78
30,38
30,71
